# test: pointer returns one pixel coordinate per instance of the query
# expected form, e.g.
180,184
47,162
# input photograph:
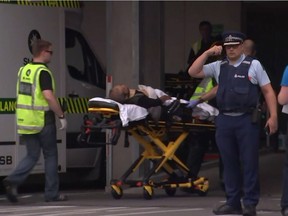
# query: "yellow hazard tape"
75,105
48,3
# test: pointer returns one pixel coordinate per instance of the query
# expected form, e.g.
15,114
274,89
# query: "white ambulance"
77,73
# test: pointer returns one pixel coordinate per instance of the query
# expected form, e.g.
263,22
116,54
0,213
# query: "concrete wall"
181,26
180,21
151,44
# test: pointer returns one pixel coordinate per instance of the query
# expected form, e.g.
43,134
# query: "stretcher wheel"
170,191
147,192
202,189
116,192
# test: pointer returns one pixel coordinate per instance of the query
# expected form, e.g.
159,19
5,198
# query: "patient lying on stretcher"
159,104
124,95
153,103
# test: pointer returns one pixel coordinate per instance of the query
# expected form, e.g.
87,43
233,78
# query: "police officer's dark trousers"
238,142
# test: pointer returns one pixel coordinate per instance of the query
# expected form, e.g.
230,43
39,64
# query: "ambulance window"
81,61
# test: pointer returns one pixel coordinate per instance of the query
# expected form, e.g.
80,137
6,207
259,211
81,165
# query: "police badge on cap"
233,38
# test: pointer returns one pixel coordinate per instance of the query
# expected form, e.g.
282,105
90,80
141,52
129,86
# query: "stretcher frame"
159,152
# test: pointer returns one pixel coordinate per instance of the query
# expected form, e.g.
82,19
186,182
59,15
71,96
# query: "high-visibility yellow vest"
197,46
203,87
31,104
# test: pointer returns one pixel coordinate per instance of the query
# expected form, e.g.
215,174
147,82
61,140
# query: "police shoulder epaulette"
246,62
224,62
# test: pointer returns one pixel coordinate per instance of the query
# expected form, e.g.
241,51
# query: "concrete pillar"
152,43
123,65
123,42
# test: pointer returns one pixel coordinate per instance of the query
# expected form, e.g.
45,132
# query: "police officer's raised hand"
215,51
63,123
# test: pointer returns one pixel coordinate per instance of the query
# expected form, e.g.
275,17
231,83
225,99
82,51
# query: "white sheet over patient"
127,112
204,111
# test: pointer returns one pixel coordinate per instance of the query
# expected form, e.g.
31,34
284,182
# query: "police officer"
237,133
36,107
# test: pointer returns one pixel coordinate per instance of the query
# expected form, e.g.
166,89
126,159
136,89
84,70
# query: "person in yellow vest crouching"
198,143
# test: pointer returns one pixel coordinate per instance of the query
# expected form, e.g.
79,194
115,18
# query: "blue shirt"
284,81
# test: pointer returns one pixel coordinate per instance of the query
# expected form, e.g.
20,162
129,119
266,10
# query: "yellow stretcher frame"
156,150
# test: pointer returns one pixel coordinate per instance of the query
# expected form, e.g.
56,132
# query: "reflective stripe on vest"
30,128
45,108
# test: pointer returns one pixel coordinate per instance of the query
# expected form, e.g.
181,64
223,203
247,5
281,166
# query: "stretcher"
152,136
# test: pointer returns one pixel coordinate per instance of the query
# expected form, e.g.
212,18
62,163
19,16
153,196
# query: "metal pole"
109,152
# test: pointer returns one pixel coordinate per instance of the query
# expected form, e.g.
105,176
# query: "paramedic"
205,29
36,107
198,143
237,131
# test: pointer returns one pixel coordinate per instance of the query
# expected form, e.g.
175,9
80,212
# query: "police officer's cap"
233,38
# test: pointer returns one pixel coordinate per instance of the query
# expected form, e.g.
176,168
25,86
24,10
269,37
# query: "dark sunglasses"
49,51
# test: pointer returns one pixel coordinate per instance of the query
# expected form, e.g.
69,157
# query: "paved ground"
100,203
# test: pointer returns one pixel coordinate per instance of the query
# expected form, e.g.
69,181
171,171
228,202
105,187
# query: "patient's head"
119,93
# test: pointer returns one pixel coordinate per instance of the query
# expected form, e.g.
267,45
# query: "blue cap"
233,38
